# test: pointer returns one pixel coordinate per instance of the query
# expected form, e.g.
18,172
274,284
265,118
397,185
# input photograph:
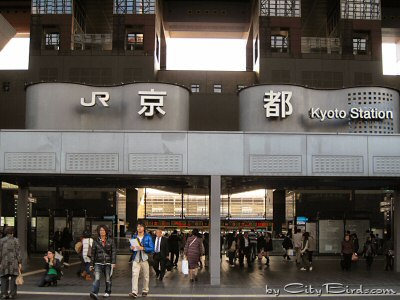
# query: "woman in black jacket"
104,256
53,270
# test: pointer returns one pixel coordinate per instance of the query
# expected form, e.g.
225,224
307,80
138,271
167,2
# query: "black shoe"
161,278
94,296
191,280
196,278
144,294
132,295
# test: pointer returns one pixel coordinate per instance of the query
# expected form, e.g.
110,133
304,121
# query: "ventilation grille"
337,164
92,162
275,164
30,161
155,162
386,165
370,99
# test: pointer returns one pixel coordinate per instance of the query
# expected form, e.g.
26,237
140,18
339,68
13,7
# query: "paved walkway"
248,283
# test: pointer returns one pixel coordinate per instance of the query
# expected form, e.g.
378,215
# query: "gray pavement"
246,283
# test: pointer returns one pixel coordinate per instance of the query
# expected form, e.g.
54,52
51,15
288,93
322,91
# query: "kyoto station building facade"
101,128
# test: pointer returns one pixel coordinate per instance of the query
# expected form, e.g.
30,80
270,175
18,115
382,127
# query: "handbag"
168,265
20,279
185,266
354,257
89,251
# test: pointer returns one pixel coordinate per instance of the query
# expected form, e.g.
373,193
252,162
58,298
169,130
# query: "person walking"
297,239
87,249
10,263
173,247
231,249
142,246
347,252
261,244
244,250
103,260
287,244
193,251
268,247
160,254
355,242
388,251
53,269
369,252
66,240
253,244
305,263
311,248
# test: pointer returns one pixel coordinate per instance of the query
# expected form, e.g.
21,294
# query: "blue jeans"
106,270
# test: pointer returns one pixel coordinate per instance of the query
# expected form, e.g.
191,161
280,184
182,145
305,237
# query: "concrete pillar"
396,233
279,210
22,222
215,230
131,208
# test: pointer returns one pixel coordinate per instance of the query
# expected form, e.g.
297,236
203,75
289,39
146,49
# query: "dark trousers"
47,279
176,254
347,261
310,256
8,282
159,263
231,256
389,262
242,253
106,270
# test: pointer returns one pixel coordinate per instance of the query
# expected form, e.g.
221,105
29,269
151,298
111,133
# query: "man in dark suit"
160,254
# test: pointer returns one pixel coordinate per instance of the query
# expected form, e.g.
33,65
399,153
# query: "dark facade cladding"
312,43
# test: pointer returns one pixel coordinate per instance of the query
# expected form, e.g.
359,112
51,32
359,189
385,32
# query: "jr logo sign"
101,97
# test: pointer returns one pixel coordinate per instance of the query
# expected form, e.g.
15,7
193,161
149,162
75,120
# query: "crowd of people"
162,252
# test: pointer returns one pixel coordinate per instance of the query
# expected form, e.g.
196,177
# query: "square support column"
396,231
22,222
215,230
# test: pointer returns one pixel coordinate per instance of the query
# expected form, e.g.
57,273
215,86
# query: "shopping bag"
290,252
19,280
185,267
354,257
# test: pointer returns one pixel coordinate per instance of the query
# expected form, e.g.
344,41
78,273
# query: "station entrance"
325,207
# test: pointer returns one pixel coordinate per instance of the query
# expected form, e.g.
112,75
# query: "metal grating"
156,162
30,161
91,162
337,164
275,163
386,165
370,99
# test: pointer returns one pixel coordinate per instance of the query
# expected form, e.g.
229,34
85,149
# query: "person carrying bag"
10,264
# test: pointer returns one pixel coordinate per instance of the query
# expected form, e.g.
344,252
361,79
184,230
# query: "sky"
15,55
190,54
206,54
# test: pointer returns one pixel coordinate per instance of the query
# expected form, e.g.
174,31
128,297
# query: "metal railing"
92,41
320,45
